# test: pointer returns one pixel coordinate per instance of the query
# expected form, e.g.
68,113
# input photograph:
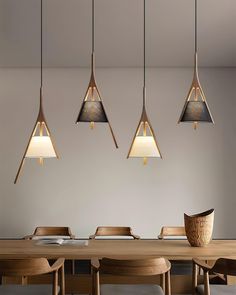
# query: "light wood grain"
125,249
223,267
34,267
136,267
172,231
105,231
51,231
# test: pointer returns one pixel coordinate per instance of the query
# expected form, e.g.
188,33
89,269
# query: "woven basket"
199,228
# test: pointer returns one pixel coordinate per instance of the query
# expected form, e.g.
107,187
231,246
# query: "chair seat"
26,290
218,289
109,289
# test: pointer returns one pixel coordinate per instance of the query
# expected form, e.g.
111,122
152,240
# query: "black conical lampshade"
196,111
92,111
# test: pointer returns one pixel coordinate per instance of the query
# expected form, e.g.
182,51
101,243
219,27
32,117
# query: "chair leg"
194,279
73,267
162,283
168,287
95,283
62,280
55,283
206,283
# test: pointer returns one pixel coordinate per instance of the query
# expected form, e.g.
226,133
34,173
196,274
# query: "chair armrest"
202,264
95,263
57,264
92,237
28,237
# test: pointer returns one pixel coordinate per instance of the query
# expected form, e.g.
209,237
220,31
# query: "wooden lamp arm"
57,264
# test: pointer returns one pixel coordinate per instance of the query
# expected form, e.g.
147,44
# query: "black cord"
93,24
41,44
195,40
144,43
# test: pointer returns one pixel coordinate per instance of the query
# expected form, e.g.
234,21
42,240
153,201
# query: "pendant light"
196,109
92,109
144,144
40,144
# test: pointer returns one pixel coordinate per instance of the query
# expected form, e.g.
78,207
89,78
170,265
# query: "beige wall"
94,184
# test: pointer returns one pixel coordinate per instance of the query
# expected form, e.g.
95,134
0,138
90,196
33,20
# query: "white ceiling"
119,23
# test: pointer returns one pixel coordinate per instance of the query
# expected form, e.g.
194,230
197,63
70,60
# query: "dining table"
173,249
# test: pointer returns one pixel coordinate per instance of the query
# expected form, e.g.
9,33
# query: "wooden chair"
139,268
179,267
53,231
105,231
222,267
32,267
172,231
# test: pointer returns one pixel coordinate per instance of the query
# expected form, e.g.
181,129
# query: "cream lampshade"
40,147
144,144
40,144
144,147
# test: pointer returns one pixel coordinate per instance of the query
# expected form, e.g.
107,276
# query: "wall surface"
93,183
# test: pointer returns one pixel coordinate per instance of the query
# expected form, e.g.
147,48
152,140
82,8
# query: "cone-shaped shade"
40,147
40,144
92,111
144,147
196,111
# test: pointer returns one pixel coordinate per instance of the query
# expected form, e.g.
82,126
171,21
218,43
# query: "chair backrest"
172,231
139,267
114,231
24,267
225,266
52,231
32,267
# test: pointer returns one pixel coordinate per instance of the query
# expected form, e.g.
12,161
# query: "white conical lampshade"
40,147
144,147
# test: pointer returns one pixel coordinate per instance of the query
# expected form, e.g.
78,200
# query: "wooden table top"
171,249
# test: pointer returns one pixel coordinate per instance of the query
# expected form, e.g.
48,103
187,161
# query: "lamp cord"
195,37
144,43
93,24
144,53
41,56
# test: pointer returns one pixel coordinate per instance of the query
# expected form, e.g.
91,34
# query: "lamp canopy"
40,144
196,109
92,109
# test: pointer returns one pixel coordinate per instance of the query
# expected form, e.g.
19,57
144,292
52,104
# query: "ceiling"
119,25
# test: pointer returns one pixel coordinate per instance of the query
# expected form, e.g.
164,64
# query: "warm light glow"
92,125
40,147
144,147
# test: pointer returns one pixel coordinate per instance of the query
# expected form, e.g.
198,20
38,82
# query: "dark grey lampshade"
92,111
196,111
